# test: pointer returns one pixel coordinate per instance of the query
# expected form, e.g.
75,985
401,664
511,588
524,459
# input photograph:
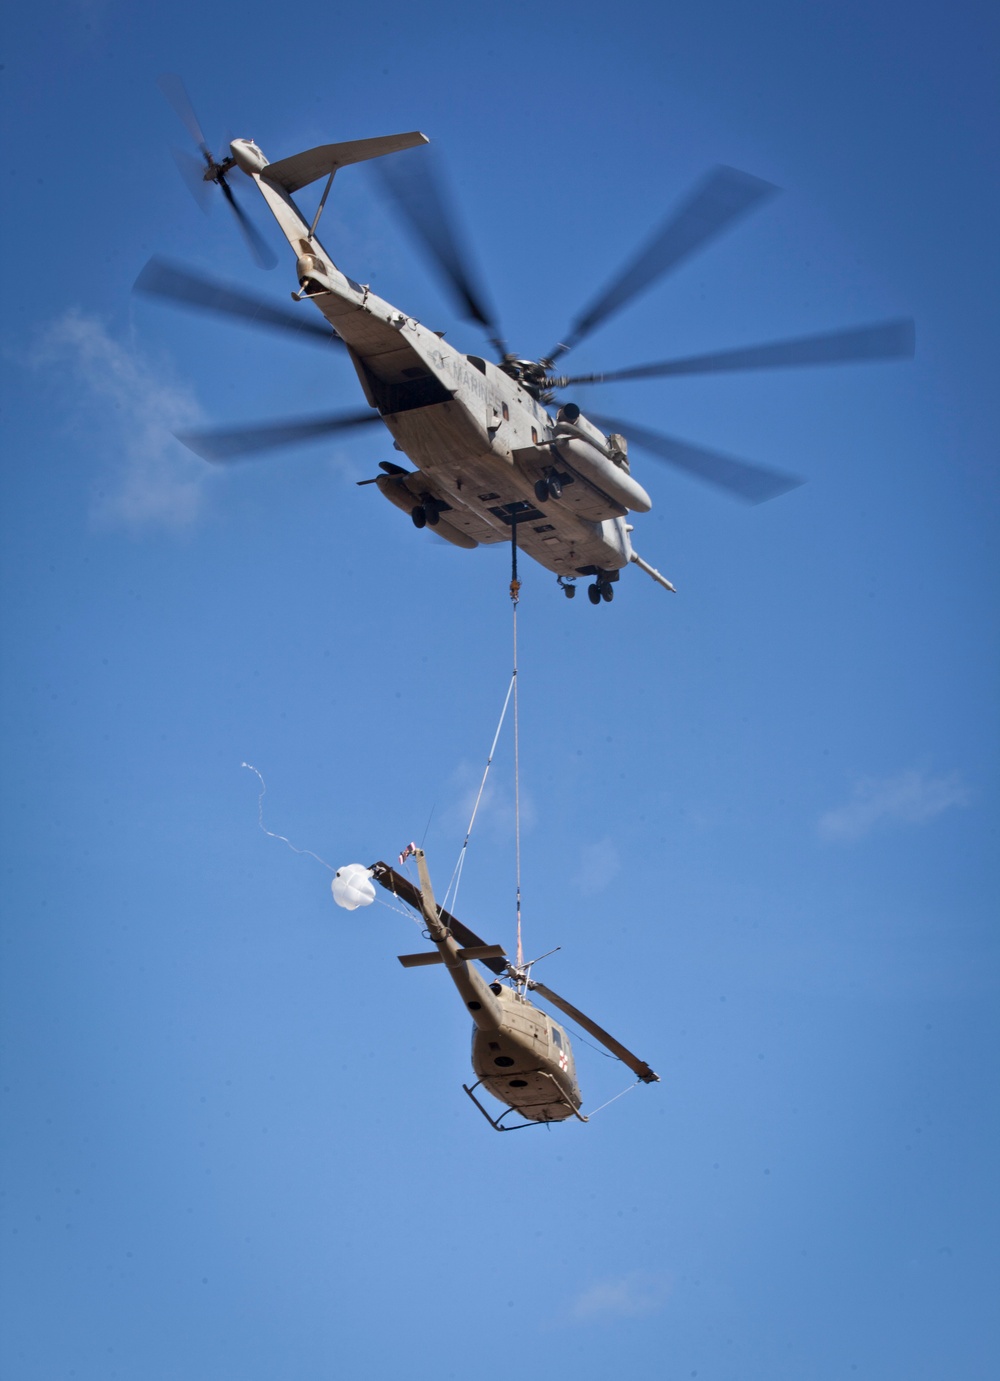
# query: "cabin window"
506,412
534,435
556,1037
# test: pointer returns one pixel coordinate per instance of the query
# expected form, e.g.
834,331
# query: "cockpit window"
557,1038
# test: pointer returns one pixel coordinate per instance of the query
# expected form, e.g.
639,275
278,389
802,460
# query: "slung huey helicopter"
520,1055
493,462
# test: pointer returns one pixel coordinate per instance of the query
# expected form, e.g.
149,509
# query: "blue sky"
760,815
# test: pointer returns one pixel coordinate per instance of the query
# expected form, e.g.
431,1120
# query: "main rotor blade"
419,193
752,483
403,888
233,443
716,204
638,1067
181,286
176,93
263,255
885,340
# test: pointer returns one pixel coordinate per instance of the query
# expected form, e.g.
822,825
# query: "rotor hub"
215,172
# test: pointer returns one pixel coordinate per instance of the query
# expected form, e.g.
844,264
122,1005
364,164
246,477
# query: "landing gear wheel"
542,490
433,515
419,516
594,594
569,591
554,486
607,591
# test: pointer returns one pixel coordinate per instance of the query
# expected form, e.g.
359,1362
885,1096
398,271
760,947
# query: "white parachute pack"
352,887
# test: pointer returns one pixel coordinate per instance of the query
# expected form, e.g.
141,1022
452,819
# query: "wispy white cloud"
632,1296
599,864
911,798
495,815
153,480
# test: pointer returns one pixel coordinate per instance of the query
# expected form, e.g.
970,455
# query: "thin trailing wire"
270,833
579,1036
400,912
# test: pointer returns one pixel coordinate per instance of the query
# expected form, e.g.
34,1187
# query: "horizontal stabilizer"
303,168
418,961
482,952
404,889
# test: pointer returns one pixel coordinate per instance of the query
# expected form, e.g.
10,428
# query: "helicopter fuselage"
519,1053
527,1060
493,463
488,453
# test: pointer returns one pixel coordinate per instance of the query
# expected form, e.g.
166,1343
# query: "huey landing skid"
488,454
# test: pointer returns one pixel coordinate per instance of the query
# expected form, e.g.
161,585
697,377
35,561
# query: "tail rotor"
198,178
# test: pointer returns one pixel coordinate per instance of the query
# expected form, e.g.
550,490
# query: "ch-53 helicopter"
520,1054
493,462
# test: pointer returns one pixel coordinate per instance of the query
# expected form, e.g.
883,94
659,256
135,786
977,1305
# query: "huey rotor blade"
715,205
403,888
232,443
752,483
263,255
885,340
638,1067
420,195
176,94
161,278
